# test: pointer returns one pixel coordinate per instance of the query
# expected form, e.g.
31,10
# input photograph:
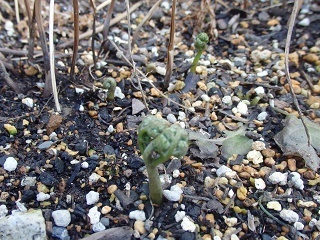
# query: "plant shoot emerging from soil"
158,141
110,84
200,44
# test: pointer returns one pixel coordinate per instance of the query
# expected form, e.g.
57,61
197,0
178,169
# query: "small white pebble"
118,93
289,215
28,102
258,145
92,197
62,218
81,108
296,180
227,100
221,171
230,221
242,108
94,215
165,5
259,184
79,90
174,194
262,116
161,70
137,215
259,90
84,165
205,97
41,196
304,22
255,156
10,164
298,225
175,173
110,129
278,177
179,216
98,227
74,161
171,118
188,225
262,73
182,116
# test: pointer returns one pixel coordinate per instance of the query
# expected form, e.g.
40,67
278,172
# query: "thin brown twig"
93,32
295,10
4,75
48,86
170,53
31,25
76,38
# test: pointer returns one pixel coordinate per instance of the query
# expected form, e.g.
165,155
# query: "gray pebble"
263,16
45,145
222,24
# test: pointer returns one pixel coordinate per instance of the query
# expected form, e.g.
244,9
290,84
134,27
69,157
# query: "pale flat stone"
29,225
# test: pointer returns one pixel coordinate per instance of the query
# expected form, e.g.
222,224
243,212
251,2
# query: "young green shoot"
200,44
110,84
158,141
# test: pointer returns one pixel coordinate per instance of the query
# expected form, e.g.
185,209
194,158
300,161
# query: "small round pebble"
242,108
94,215
98,227
62,218
171,118
188,225
179,216
262,116
10,164
174,194
41,196
289,215
137,215
92,197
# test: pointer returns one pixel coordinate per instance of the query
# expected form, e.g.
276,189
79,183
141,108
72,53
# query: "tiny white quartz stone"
62,218
92,197
41,196
28,101
94,215
259,184
179,216
255,156
242,108
188,225
289,215
10,164
174,194
137,215
278,177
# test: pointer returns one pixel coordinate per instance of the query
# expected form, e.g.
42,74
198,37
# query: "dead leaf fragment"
293,141
54,123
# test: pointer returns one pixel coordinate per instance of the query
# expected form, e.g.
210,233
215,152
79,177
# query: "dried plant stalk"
75,37
31,25
4,75
93,32
170,53
51,49
48,86
295,10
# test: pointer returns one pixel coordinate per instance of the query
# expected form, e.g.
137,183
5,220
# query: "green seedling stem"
110,84
200,44
158,141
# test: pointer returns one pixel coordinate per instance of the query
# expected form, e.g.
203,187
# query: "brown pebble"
292,164
273,22
269,161
112,188
268,152
244,175
311,58
119,127
93,113
281,166
154,92
210,218
54,123
309,175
